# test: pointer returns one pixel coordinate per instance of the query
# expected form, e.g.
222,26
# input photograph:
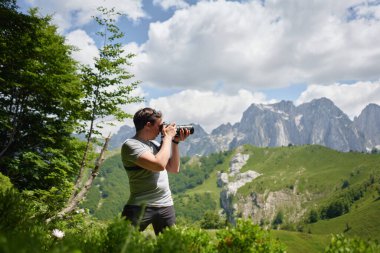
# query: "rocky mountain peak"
319,121
368,123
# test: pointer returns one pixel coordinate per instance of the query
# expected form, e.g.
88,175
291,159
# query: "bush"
5,183
339,243
279,219
16,213
313,216
184,239
212,220
247,237
123,237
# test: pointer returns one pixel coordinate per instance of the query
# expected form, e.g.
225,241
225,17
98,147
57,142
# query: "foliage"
339,243
16,212
184,239
193,175
341,204
212,220
247,237
104,84
279,219
123,237
193,207
105,90
313,216
40,97
5,183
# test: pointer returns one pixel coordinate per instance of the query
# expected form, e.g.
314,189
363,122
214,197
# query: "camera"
179,127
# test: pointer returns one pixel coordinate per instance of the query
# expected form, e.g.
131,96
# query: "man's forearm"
174,161
163,156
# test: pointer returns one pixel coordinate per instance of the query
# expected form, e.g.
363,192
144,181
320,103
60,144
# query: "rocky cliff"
231,182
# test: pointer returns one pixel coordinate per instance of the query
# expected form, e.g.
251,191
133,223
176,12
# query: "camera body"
179,127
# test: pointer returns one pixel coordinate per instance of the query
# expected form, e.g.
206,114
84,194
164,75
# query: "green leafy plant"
247,237
184,239
339,243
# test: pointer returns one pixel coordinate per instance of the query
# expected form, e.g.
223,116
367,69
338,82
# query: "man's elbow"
173,170
160,167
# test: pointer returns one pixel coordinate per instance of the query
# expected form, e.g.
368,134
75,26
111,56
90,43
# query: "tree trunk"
73,202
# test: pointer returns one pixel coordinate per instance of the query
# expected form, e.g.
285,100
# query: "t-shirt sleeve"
131,151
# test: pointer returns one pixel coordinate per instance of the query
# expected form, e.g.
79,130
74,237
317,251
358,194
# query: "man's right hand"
169,130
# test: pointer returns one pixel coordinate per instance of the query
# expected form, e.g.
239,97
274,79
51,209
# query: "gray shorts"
159,217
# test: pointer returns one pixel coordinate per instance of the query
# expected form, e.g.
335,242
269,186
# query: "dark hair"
144,116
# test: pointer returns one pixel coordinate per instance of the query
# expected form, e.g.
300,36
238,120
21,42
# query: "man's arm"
157,162
174,161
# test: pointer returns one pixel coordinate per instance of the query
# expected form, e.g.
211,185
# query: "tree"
105,89
279,219
40,101
313,216
212,220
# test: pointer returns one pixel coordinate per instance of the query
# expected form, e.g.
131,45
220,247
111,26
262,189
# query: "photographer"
147,163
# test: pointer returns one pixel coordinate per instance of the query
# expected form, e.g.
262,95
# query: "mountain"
368,123
123,133
281,124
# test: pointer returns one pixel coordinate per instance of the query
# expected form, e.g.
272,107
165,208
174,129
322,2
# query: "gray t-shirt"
147,187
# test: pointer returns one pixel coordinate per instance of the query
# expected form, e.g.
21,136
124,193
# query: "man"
147,163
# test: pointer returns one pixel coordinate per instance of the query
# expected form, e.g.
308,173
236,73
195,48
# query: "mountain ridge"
319,121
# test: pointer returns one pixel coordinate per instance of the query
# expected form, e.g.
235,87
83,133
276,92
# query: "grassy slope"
363,220
307,169
318,170
297,242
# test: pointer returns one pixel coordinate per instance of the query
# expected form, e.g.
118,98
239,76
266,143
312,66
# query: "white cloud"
245,45
350,98
73,13
167,4
86,48
209,109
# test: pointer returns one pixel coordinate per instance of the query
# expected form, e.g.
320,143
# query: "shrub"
212,220
339,243
313,216
5,183
184,239
279,219
16,213
247,237
123,237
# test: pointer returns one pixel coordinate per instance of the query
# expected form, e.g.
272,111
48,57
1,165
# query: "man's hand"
169,130
183,134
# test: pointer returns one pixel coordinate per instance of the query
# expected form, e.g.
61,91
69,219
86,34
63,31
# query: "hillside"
295,183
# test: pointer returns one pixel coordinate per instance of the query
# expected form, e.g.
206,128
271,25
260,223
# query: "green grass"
314,169
363,220
210,184
297,242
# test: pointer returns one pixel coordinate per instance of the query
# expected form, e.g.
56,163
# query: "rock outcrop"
231,182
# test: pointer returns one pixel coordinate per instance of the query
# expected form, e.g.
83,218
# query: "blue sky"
205,61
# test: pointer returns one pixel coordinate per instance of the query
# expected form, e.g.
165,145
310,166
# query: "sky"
206,62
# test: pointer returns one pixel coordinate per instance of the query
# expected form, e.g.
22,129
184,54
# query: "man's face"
156,128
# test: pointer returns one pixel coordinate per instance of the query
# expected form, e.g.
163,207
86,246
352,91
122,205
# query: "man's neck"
143,136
